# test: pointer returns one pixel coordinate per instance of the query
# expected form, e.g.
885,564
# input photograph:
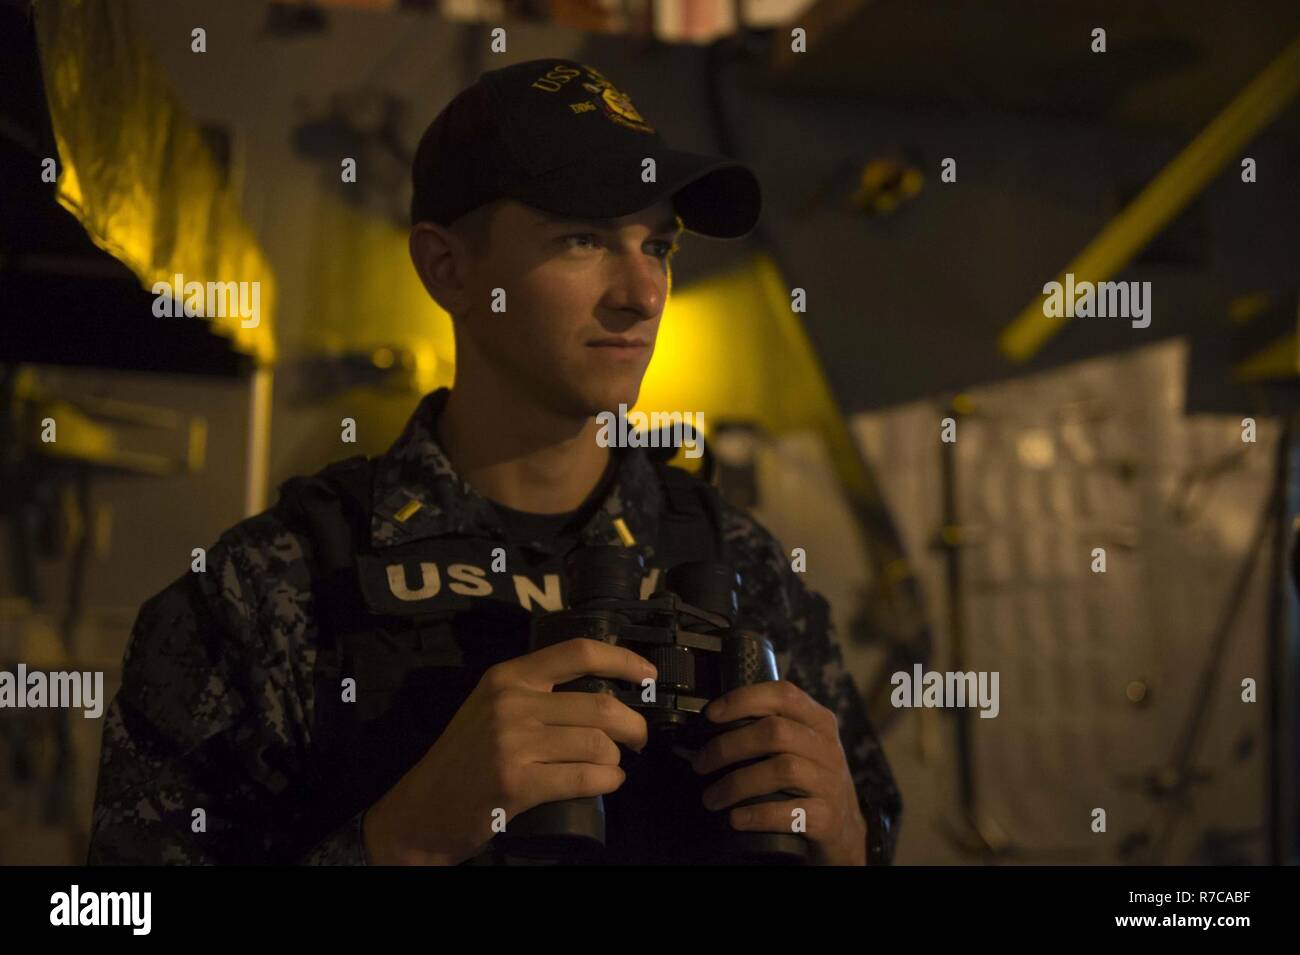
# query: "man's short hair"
474,227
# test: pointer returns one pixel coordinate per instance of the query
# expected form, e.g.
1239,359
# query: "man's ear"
439,258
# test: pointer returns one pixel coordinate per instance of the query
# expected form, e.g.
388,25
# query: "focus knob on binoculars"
686,630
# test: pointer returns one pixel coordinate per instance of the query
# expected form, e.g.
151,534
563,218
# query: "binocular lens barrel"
603,573
747,658
705,584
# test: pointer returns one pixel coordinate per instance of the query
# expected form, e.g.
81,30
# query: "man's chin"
608,396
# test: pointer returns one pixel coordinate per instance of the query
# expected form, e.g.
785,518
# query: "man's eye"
663,248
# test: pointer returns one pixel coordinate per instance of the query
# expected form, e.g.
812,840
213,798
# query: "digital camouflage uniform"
217,704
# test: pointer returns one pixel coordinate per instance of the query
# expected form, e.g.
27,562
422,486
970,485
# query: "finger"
774,698
597,710
811,816
562,662
551,782
572,744
793,774
768,736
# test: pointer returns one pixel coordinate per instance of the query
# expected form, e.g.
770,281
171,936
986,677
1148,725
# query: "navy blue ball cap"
557,135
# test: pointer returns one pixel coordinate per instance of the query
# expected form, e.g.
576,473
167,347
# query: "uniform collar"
418,494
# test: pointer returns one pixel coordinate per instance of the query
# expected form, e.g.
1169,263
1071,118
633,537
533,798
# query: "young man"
350,680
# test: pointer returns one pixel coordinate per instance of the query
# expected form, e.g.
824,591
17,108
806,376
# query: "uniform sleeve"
198,760
816,665
344,846
774,600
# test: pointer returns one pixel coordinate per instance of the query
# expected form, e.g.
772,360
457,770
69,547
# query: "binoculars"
686,630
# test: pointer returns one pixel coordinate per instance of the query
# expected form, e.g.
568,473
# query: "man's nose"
638,285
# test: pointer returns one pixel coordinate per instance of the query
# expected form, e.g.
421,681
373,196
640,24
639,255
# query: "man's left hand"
802,740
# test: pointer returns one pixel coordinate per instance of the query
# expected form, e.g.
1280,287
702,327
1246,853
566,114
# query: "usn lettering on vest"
467,580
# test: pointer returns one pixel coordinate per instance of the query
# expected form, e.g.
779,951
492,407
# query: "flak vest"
416,625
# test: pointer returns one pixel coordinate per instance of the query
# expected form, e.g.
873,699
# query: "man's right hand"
512,745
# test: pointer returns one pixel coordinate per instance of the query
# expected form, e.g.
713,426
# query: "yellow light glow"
133,167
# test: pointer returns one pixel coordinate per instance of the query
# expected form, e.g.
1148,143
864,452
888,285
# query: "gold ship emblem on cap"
618,105
621,104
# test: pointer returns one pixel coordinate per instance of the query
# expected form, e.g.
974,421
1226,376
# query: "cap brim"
715,197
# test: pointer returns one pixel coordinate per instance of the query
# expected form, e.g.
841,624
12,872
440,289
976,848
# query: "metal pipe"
1165,196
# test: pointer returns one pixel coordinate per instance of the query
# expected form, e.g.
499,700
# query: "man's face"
583,303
